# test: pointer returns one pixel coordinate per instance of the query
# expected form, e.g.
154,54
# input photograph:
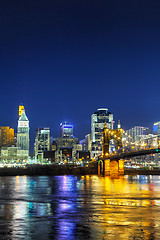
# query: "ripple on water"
87,207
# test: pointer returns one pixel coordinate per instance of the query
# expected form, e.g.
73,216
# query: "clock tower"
23,134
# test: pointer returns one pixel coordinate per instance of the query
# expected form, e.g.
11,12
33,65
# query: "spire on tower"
21,108
105,125
119,124
23,116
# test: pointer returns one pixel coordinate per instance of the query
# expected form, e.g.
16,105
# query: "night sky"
64,59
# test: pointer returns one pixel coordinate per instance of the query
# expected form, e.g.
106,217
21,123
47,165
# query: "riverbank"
142,171
54,170
39,170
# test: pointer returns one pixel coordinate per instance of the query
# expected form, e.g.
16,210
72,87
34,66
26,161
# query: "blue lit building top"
66,130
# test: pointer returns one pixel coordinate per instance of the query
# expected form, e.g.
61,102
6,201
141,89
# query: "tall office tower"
42,142
136,133
156,128
98,119
6,136
23,135
66,130
21,108
88,142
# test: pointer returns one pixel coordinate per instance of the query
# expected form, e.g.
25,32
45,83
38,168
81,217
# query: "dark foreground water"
88,207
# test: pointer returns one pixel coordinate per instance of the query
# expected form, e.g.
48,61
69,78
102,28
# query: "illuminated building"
77,147
23,137
137,132
6,136
66,130
21,108
42,142
49,156
65,143
88,142
53,146
64,148
156,128
66,154
98,119
8,154
83,157
83,143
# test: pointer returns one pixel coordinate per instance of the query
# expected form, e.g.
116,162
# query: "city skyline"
59,127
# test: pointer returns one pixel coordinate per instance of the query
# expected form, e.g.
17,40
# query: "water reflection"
87,207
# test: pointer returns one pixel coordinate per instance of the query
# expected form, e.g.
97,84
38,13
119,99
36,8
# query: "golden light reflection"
17,182
124,203
127,207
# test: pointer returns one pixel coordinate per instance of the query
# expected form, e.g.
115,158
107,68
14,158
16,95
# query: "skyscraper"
98,119
42,142
65,143
66,130
6,136
136,133
23,135
156,128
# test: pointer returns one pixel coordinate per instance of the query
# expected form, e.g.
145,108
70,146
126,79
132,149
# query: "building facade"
6,137
42,142
98,119
66,130
65,144
23,137
8,154
156,128
136,133
88,142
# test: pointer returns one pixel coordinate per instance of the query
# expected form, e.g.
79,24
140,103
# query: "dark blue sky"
64,59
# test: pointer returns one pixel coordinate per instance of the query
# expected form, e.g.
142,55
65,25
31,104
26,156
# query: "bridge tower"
105,165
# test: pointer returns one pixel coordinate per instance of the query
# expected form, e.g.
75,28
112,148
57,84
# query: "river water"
86,207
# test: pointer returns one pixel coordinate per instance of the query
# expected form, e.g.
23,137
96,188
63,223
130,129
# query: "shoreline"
45,170
142,172
53,170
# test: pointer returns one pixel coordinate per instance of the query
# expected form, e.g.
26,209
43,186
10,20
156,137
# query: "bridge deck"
125,155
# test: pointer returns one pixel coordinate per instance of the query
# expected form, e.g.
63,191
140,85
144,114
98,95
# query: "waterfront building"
146,142
83,157
65,143
66,130
8,154
49,156
64,148
76,148
136,133
23,137
98,119
64,155
149,141
42,142
156,128
6,136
